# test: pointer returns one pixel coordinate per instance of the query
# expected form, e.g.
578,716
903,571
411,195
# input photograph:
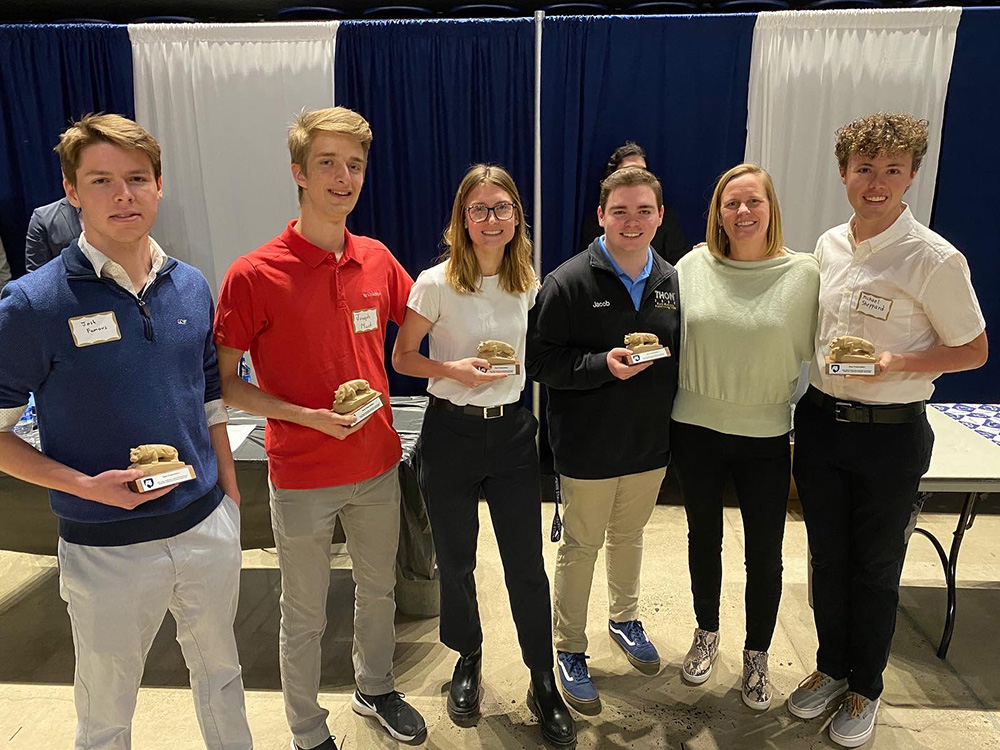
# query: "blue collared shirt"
635,286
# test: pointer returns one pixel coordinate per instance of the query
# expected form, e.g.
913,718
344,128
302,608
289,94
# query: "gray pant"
303,522
117,598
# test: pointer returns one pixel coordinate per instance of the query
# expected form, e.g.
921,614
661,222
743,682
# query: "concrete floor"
927,703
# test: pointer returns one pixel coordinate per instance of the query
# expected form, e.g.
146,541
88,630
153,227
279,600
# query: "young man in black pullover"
607,419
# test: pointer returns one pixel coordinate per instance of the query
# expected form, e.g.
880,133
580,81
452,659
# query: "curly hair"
882,133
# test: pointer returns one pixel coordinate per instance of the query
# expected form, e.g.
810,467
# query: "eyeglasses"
479,213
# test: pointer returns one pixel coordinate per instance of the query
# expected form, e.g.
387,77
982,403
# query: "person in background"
668,242
51,228
4,267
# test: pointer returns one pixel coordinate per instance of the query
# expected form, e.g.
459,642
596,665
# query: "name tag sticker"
365,320
874,306
98,328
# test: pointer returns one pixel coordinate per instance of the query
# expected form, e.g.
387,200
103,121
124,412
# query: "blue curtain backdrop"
440,96
49,76
965,204
677,85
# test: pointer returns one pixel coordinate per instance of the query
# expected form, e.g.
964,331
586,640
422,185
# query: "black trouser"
462,456
761,472
858,485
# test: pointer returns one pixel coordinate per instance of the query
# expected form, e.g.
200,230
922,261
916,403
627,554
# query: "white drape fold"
811,73
219,99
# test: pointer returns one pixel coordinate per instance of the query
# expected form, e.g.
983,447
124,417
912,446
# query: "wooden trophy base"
361,407
647,353
163,474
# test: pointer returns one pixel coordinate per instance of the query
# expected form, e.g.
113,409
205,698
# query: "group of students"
121,346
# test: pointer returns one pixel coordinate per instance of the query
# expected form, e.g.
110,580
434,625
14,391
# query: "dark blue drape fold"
965,209
677,85
50,75
440,96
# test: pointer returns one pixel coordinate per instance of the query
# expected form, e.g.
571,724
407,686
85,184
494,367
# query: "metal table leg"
950,562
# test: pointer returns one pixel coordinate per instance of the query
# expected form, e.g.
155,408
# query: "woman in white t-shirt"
478,439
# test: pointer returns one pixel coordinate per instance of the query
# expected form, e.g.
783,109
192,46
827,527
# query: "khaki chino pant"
303,522
614,509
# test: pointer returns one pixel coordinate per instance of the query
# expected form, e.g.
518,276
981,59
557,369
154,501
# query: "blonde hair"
716,237
882,133
339,120
99,128
516,272
627,177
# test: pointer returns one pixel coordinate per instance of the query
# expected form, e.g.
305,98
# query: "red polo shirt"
310,323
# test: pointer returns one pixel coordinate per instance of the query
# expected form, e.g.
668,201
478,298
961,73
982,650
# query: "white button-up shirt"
906,290
215,411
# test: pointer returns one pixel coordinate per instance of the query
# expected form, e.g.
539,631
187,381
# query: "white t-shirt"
906,290
461,320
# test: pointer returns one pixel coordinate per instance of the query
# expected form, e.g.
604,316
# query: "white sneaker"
815,694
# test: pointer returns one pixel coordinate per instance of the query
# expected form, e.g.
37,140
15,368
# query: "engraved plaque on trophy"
160,465
644,347
851,355
357,398
501,357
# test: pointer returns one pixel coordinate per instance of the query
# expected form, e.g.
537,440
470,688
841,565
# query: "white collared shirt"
906,289
104,267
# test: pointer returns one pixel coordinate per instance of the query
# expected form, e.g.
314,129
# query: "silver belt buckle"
492,412
839,411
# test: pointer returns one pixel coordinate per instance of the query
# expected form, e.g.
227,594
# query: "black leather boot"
464,692
547,705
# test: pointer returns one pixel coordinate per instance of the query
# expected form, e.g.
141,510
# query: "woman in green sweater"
747,326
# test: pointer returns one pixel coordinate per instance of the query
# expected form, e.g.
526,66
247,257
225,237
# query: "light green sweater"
746,329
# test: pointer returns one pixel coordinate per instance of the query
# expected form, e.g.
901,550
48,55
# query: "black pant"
761,470
858,485
462,456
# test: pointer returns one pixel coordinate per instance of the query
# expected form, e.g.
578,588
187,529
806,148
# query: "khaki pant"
617,508
303,522
117,598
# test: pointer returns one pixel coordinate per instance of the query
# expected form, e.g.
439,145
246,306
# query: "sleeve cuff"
10,417
215,412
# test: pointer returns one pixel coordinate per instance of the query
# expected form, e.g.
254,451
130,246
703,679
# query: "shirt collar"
313,255
643,274
99,260
898,229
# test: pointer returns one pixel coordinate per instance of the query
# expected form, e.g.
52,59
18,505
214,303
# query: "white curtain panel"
219,99
811,73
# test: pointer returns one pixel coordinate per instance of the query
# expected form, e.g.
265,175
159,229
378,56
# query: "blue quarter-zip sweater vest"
96,402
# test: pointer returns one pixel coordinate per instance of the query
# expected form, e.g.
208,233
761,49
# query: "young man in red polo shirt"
311,306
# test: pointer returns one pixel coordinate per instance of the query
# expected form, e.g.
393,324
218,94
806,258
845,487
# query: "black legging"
760,468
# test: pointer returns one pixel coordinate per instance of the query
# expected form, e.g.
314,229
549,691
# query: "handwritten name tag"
98,328
365,320
874,306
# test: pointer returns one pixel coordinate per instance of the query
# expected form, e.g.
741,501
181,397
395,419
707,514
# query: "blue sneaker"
637,647
579,691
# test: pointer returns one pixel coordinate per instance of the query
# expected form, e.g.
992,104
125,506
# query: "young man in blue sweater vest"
114,338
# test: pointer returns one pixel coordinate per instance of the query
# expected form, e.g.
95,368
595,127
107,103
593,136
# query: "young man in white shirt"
862,443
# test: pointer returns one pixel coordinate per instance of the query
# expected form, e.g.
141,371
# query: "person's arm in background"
36,243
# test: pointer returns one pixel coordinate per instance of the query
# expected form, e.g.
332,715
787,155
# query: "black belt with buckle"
852,411
484,412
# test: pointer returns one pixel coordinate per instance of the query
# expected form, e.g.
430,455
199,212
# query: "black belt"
484,412
852,411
